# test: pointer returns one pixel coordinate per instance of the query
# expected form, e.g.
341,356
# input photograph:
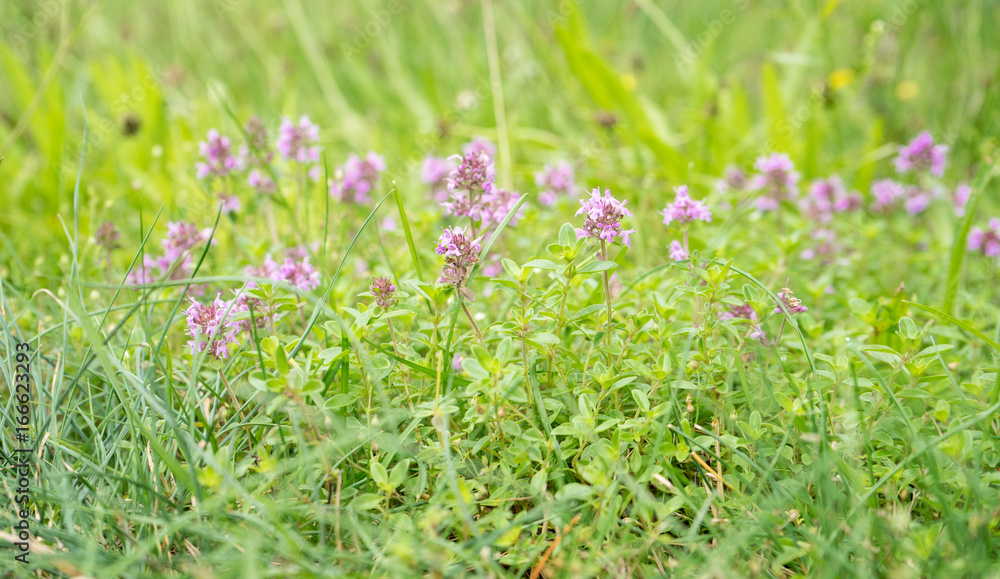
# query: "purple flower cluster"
555,180
297,272
357,177
220,159
435,172
889,194
960,198
829,196
733,179
460,253
107,237
480,145
176,259
604,218
383,290
986,241
297,141
684,210
776,179
473,176
922,155
826,246
744,311
211,327
792,304
677,251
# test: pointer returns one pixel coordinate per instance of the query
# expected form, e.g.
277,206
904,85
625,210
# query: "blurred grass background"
688,87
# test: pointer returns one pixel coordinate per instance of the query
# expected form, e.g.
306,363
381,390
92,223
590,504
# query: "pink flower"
921,154
960,198
210,327
757,333
300,274
745,311
298,142
358,178
460,253
480,145
886,193
792,304
474,174
261,181
677,251
829,196
383,290
218,154
917,202
733,179
684,210
434,172
777,180
183,236
604,218
262,315
555,180
986,241
259,149
230,203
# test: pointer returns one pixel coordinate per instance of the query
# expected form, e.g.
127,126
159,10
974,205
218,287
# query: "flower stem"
475,326
607,287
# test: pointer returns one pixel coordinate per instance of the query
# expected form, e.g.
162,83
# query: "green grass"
346,441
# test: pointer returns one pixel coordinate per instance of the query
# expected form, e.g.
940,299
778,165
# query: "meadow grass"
535,416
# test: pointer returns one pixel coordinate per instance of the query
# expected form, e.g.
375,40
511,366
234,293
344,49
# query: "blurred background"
640,95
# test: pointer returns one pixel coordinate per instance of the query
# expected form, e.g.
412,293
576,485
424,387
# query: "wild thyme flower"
218,154
259,149
604,218
107,237
826,246
757,333
298,141
460,253
434,172
300,274
684,210
829,196
744,311
917,200
886,193
494,206
777,180
181,237
383,290
986,241
262,318
358,177
210,327
677,251
555,181
733,179
480,145
474,174
261,181
792,304
960,198
230,203
922,155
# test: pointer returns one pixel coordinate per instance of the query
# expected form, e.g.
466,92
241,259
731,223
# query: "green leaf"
598,266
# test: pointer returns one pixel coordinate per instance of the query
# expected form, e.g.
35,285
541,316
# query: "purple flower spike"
792,304
677,251
383,289
555,180
474,174
684,210
604,218
210,327
358,178
460,253
922,155
298,141
986,241
218,154
480,145
777,180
